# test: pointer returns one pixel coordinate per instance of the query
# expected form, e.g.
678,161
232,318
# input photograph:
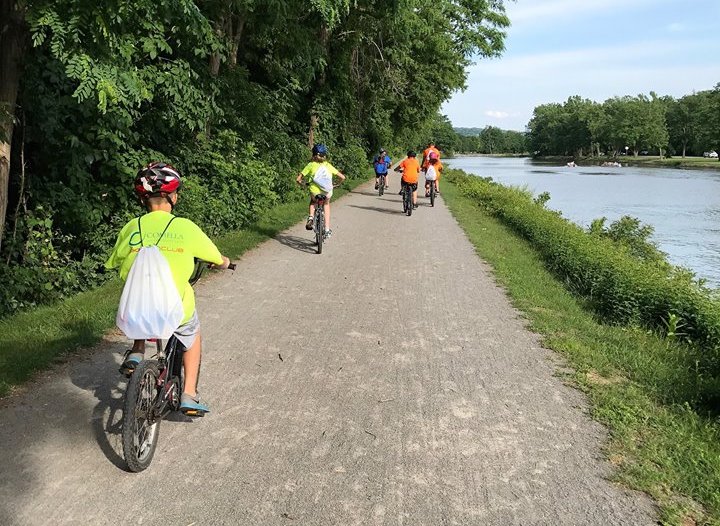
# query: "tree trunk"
311,132
324,37
13,38
235,46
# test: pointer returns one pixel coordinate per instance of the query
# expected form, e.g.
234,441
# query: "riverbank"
33,340
633,377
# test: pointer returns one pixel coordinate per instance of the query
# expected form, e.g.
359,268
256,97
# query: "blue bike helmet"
320,149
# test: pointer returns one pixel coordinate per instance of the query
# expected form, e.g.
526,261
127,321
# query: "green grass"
676,161
31,341
664,449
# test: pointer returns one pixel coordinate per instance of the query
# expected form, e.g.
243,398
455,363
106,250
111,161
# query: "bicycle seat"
321,197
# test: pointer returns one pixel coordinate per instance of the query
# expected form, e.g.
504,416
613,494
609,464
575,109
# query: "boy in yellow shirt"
180,241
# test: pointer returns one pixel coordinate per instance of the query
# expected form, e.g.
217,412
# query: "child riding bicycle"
381,164
180,241
432,173
410,169
318,175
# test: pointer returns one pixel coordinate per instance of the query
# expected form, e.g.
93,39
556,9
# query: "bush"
623,281
47,271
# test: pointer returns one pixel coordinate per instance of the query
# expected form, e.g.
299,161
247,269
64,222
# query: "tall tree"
13,41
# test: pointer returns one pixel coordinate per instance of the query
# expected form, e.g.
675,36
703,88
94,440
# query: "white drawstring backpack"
150,304
430,173
323,178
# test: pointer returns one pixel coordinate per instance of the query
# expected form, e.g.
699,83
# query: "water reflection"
683,206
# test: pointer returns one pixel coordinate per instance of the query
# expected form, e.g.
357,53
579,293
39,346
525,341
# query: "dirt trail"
386,381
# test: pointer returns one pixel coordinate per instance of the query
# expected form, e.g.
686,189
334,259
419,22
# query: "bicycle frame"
169,382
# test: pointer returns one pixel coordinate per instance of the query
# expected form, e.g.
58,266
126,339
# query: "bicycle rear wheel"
140,427
432,193
319,231
381,187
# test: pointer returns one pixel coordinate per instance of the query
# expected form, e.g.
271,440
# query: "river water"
683,206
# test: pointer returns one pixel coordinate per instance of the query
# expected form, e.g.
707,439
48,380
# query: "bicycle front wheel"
381,187
432,193
140,426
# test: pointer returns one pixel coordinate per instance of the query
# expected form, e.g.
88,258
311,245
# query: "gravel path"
386,381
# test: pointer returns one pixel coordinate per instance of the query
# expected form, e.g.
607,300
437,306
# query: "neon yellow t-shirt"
183,241
309,172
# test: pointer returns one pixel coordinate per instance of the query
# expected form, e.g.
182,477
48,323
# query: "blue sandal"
131,361
192,406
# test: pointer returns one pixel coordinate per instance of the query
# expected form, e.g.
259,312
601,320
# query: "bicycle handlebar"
200,267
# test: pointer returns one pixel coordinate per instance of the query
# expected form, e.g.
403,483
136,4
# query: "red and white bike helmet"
156,179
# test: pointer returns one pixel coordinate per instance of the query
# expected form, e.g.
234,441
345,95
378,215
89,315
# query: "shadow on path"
108,387
298,243
378,209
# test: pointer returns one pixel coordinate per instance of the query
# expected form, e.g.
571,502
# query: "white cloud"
497,114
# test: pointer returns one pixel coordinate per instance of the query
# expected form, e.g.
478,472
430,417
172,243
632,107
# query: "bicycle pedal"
194,412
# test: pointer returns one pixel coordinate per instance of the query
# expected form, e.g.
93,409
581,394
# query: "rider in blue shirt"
381,163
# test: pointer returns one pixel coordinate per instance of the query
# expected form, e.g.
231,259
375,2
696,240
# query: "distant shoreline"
689,163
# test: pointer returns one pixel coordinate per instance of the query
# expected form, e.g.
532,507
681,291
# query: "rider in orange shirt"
410,169
426,154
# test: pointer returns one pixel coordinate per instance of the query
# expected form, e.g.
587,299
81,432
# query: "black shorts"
378,175
413,186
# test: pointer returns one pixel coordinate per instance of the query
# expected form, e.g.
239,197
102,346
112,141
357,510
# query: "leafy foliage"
640,123
231,92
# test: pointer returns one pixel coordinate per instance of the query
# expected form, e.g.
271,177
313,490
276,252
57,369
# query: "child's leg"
138,346
415,195
327,214
191,364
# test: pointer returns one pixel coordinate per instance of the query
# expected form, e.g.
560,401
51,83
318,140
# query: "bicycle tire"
381,187
432,194
139,441
319,230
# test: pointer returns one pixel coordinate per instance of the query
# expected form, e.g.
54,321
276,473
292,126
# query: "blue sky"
593,48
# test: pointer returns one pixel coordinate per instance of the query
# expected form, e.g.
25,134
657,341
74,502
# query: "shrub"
624,279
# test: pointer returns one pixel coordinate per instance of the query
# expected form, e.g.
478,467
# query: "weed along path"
386,381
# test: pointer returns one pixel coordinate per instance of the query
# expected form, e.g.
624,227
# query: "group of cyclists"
182,242
410,169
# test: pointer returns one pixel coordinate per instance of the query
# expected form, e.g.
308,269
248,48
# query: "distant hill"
468,131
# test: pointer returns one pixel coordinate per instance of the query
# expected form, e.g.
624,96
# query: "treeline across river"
231,93
642,124
646,125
